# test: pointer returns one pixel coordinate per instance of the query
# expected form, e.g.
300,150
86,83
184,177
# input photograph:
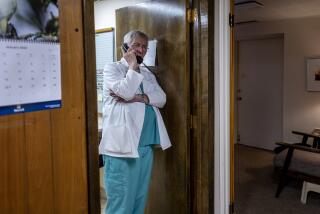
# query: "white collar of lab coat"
125,63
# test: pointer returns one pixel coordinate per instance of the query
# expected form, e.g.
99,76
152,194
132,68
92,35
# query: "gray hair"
130,36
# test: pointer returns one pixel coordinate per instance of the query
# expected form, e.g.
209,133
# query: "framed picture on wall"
313,74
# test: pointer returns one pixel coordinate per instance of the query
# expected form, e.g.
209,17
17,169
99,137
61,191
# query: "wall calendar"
30,73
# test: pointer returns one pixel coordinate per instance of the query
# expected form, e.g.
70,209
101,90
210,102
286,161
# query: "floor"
255,186
256,183
103,197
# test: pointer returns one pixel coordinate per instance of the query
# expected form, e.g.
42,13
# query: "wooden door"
202,107
43,155
166,21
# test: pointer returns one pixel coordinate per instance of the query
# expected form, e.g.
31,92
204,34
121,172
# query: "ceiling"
275,10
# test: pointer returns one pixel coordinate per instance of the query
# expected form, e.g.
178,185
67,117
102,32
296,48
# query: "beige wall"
104,11
301,109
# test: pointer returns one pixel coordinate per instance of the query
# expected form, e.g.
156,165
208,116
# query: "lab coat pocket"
118,140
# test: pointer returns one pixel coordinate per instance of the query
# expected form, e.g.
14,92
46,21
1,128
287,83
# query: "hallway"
256,183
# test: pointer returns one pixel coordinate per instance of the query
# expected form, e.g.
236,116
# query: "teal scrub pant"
127,182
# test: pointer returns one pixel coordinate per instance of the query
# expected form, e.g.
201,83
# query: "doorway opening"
165,22
271,98
106,52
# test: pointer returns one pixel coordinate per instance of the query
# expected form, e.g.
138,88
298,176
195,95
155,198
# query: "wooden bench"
299,160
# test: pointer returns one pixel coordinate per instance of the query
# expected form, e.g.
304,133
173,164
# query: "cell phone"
125,48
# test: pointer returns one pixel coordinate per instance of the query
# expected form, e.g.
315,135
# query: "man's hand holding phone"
131,59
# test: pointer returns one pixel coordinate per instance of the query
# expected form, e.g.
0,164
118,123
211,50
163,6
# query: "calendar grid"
29,74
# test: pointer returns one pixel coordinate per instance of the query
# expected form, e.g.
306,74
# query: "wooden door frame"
221,67
91,107
201,105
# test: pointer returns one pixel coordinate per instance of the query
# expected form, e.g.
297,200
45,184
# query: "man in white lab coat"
132,127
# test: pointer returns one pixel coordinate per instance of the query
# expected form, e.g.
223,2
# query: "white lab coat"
122,122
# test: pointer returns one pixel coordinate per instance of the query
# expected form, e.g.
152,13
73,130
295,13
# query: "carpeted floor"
256,183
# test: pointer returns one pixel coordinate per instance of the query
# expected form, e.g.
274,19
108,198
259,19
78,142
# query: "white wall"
301,109
104,11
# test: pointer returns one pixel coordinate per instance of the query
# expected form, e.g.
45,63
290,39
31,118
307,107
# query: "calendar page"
30,73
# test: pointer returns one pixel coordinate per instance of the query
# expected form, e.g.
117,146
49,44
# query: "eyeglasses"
138,45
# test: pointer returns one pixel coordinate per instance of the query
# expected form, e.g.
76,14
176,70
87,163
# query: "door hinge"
193,121
231,20
231,208
192,15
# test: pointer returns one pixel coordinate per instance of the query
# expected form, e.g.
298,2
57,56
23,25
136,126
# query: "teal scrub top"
150,131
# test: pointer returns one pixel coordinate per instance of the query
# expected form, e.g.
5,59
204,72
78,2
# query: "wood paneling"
91,108
13,186
68,130
211,98
202,96
39,162
43,155
165,21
